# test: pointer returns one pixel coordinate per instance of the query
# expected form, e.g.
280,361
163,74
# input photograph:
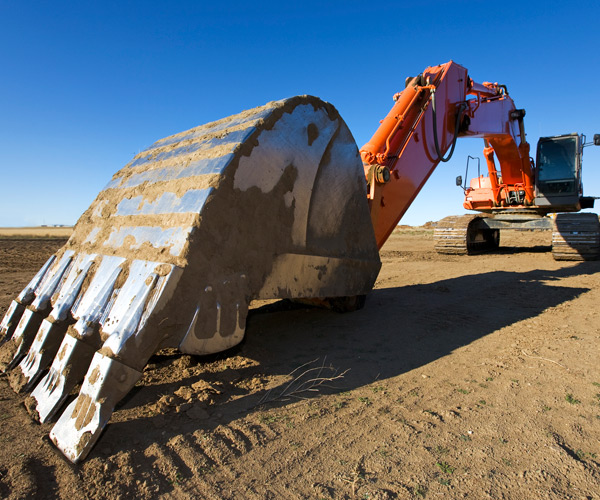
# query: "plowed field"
462,377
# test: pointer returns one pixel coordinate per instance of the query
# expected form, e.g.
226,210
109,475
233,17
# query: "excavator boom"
437,107
402,153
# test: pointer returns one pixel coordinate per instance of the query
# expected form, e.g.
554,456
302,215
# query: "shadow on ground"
398,330
515,250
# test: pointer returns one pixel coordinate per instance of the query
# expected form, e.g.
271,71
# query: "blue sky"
86,85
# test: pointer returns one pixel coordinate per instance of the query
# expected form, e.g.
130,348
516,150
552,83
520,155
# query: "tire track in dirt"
243,441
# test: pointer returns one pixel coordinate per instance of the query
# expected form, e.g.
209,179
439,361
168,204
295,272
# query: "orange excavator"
443,104
270,203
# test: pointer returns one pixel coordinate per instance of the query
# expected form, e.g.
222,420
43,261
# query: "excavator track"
461,235
576,237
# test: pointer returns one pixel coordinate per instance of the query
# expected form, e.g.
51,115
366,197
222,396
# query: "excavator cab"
558,174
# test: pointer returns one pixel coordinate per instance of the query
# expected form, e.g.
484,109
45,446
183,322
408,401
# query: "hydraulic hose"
441,158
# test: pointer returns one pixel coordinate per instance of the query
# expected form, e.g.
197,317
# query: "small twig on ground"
310,380
544,359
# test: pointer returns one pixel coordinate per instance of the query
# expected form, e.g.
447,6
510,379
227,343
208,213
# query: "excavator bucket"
269,203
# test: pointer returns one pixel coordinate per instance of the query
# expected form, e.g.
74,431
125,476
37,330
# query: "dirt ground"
463,377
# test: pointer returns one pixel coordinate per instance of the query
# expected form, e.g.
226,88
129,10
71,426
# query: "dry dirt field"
463,377
36,232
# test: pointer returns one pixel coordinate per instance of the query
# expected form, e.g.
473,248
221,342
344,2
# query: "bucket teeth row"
83,339
266,204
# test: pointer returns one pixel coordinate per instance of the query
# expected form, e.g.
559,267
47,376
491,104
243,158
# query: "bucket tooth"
40,355
80,425
68,369
15,348
267,204
29,293
11,320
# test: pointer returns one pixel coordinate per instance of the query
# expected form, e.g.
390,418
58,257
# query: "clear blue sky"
86,85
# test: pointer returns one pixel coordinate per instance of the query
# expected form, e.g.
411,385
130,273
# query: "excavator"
522,199
276,202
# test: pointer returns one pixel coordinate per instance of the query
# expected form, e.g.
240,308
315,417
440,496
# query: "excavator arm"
421,130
